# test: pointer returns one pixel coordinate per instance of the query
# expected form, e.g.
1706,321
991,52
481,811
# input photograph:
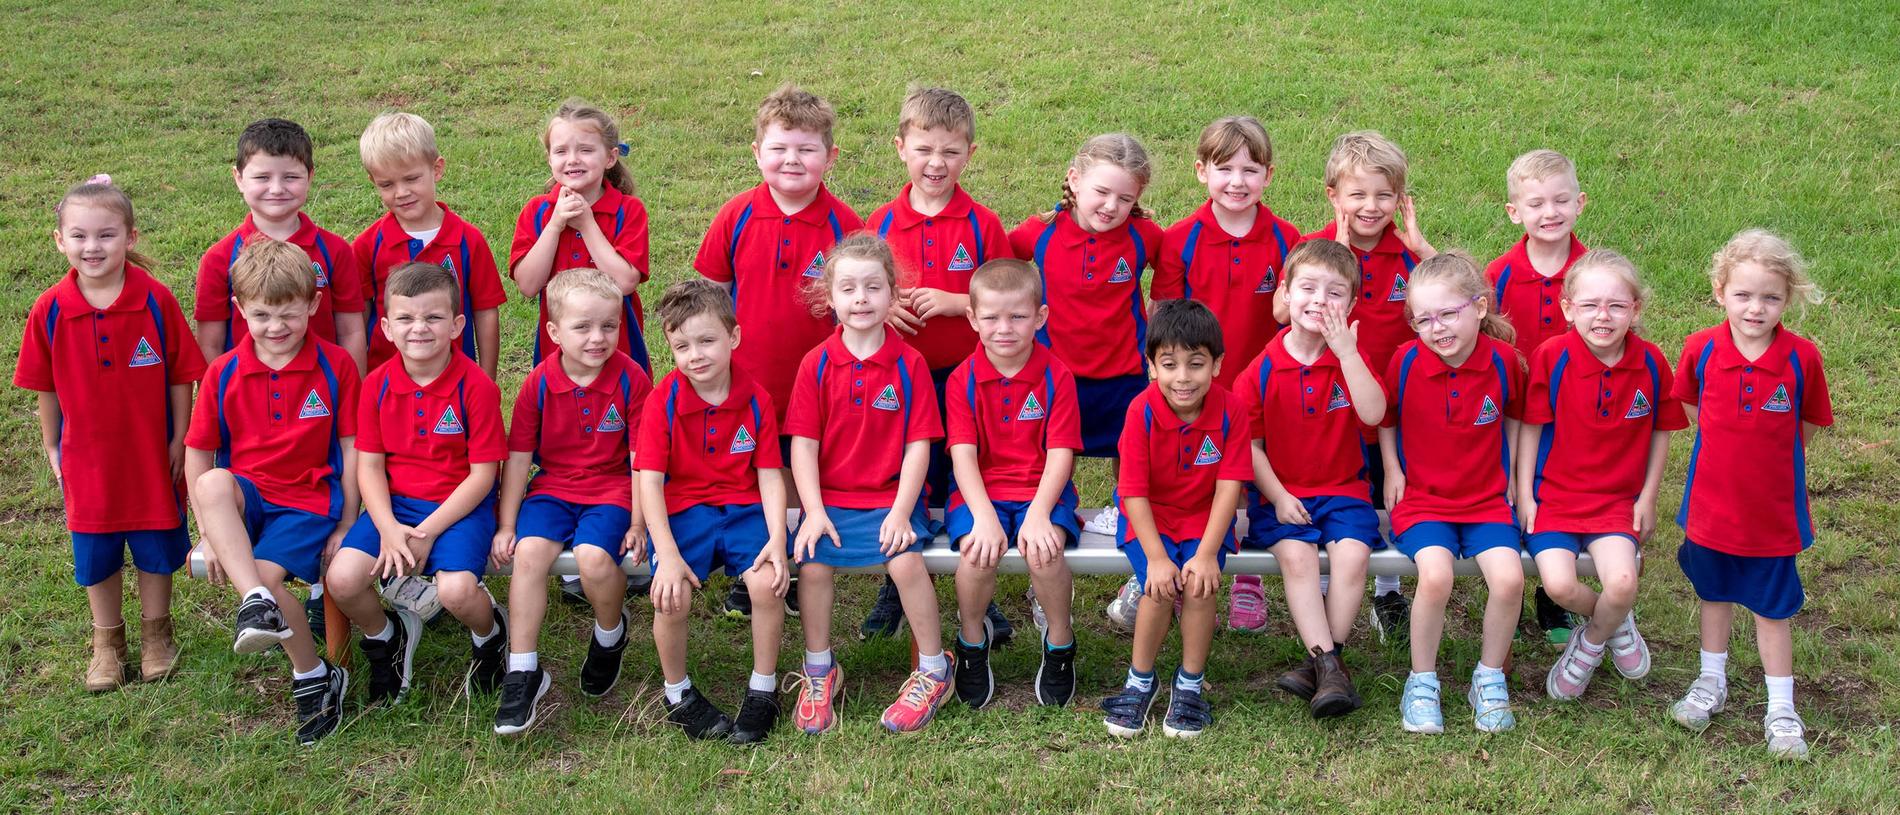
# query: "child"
399,153
1585,489
106,350
1185,456
861,426
1230,254
588,218
1310,393
1455,396
721,504
273,172
270,458
1014,427
1757,393
940,236
575,418
428,443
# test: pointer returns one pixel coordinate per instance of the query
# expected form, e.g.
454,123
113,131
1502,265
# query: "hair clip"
622,148
101,178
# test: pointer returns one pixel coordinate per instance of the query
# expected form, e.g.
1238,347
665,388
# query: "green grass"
1689,120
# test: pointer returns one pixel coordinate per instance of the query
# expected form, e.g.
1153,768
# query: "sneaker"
520,706
1570,675
1706,697
758,714
393,661
1490,703
602,667
1392,618
260,626
1334,693
1418,706
1127,711
699,717
314,616
1121,610
918,700
1036,615
572,593
1555,622
791,598
1301,680
1188,713
887,614
1055,677
739,602
818,696
1787,736
319,703
415,593
488,661
976,684
1105,522
1628,651
1247,605
1002,631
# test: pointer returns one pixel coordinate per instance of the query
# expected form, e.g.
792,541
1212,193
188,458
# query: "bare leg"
920,601
1503,570
816,592
768,622
1428,606
1348,560
1299,568
528,593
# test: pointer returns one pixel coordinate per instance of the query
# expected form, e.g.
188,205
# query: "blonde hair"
579,112
1454,269
272,272
1118,149
1615,264
1771,252
795,108
578,281
1007,276
937,109
396,137
1227,136
1331,256
1537,165
691,298
862,245
1366,150
99,191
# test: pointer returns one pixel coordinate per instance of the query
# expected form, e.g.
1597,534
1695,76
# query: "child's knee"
1620,586
593,561
1434,580
1503,582
907,568
460,591
349,575
216,486
758,584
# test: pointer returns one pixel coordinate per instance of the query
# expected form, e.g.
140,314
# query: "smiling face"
1310,289
578,155
274,187
1446,321
1602,308
1753,298
407,188
1006,322
860,293
278,328
934,157
1234,184
702,348
1184,376
1546,207
587,329
94,239
792,162
1104,196
423,328
1368,199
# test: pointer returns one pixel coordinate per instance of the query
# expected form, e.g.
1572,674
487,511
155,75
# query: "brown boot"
107,670
1335,694
1300,681
157,652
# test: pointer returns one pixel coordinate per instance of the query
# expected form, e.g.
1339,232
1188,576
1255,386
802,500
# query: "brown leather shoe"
107,669
157,652
1335,694
1301,681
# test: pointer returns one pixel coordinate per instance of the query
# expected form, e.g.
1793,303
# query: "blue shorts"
961,522
1335,518
98,556
727,535
287,536
463,547
1462,540
1572,542
1178,551
1767,586
573,525
1104,406
857,532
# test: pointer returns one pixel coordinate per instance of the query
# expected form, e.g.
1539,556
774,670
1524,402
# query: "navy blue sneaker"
1188,714
1128,711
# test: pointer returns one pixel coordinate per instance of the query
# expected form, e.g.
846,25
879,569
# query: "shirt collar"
816,213
1213,409
1520,256
1282,358
132,295
1585,363
1213,233
448,233
886,354
1389,244
559,381
738,394
1727,355
1480,360
249,363
305,236
444,385
906,216
609,202
1033,370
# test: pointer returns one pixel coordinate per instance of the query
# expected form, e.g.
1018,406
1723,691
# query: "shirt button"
1005,382
785,242
1748,389
1546,285
788,220
929,263
418,394
97,316
927,222
1546,321
929,242
1091,240
576,256
1748,407
584,411
860,383
1606,414
1547,301
277,416
1454,374
1005,420
273,377
1607,393
1748,369
418,414
1309,410
781,265
857,401
419,432
1309,389
1091,258
276,396
1236,261
860,366
1454,394
1368,297
587,428
1235,243
1005,400
104,338
1089,276
709,448
105,363
712,431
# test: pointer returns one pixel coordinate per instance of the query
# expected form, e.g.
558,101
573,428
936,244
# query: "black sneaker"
392,661
602,668
700,718
1001,631
975,683
1055,678
739,601
887,614
488,661
1553,619
1392,618
260,626
319,703
1188,713
571,592
758,714
521,693
313,614
791,597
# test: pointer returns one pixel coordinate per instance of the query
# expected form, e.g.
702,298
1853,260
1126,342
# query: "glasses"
1444,317
1617,309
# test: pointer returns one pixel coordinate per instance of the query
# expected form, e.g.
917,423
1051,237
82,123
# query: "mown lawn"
1690,121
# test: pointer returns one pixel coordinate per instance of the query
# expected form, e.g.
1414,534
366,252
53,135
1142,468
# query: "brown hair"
795,108
415,279
862,245
578,281
1227,136
275,137
1773,253
580,112
1455,270
1366,150
691,298
1119,149
1332,256
272,272
938,109
99,191
1007,276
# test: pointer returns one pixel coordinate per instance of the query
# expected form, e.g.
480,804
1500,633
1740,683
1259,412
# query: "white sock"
494,631
937,665
1780,691
323,669
260,591
1140,681
1385,584
570,578
674,693
1715,664
1484,671
1589,647
818,662
524,662
316,590
763,683
1325,582
608,636
1188,681
389,630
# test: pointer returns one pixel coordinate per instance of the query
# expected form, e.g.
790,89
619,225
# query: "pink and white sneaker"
817,696
918,700
1628,651
1247,605
1570,676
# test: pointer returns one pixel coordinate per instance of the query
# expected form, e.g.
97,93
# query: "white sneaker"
1105,522
1786,734
1628,651
1036,614
1706,696
415,594
1121,610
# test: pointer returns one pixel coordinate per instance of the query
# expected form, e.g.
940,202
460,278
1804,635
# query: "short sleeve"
524,428
1247,393
805,415
1022,239
653,445
363,248
212,290
1516,380
714,261
1132,449
346,278
1817,406
1391,384
202,433
349,389
484,277
35,368
959,416
639,391
486,442
369,426
1170,280
187,360
1236,455
766,455
995,240
527,228
926,424
1687,388
631,241
1537,407
1065,415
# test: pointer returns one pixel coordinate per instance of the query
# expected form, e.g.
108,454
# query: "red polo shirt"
1174,464
281,428
1597,421
1097,320
1383,274
1451,424
768,258
112,370
711,454
581,436
331,260
431,433
863,412
1747,492
1235,277
941,252
457,246
1014,421
1305,414
1533,302
623,219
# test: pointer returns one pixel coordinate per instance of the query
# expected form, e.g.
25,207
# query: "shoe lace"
310,699
918,690
514,688
810,689
1245,600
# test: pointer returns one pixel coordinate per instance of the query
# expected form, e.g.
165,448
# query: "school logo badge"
817,267
1032,409
1398,290
449,424
1266,283
1639,407
1338,399
887,399
961,261
323,277
449,264
742,442
1487,412
1209,454
313,407
143,355
612,421
1777,402
1122,274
